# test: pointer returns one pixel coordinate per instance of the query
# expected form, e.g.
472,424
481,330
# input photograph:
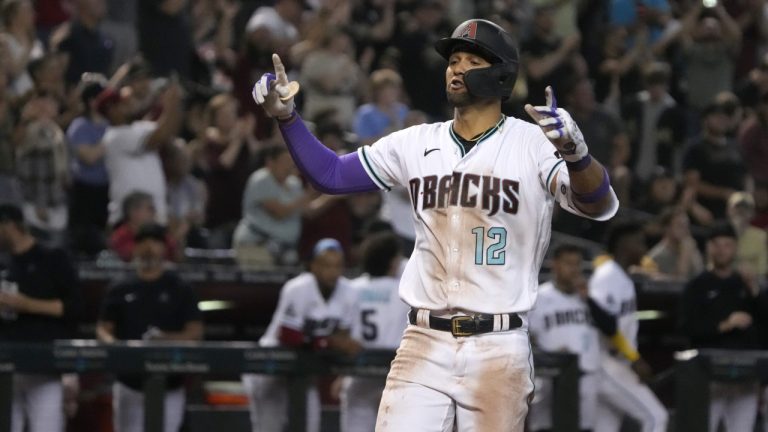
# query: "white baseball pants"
733,403
540,416
621,393
268,403
128,409
478,383
37,401
360,398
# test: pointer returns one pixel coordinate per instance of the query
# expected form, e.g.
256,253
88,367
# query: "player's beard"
465,99
461,100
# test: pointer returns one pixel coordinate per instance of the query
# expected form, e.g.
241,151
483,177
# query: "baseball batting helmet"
492,43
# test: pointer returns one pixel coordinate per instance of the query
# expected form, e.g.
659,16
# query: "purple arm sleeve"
327,172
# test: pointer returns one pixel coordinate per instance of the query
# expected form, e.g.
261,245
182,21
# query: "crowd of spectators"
103,99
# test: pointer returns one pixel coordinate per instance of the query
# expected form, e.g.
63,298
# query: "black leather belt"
465,325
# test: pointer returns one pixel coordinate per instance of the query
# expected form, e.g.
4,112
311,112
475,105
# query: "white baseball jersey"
381,315
301,306
562,322
482,220
614,291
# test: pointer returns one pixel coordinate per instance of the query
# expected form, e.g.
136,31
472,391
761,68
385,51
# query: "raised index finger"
280,75
551,99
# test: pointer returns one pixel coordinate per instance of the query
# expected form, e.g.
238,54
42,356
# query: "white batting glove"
559,128
268,91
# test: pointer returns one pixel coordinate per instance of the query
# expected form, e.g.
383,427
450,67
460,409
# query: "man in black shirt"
548,58
713,164
154,304
165,36
39,302
718,310
89,49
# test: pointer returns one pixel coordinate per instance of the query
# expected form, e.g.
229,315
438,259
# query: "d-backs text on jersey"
567,317
493,194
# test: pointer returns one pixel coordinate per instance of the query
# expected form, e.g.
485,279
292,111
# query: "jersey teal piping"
552,171
485,136
456,140
370,170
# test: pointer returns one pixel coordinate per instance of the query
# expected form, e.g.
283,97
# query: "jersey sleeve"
552,167
290,309
348,318
564,196
600,292
549,161
383,161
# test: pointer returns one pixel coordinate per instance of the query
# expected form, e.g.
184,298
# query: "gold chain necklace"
487,132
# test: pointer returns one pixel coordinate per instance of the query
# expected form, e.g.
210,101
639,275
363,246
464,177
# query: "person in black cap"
721,309
483,188
153,304
39,302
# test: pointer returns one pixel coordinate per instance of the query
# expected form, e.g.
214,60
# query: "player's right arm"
328,172
584,181
603,320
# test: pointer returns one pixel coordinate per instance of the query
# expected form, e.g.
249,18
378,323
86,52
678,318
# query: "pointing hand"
274,92
559,128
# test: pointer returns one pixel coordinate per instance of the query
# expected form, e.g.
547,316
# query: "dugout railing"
696,369
157,360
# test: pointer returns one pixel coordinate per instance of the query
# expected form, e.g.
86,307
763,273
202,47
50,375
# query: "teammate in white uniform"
621,391
379,324
483,187
315,309
562,321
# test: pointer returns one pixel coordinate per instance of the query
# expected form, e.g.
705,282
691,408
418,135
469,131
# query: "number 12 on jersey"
495,254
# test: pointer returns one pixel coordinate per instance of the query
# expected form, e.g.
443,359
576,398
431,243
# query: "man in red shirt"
138,210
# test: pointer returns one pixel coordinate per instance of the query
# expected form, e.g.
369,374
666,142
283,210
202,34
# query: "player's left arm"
589,189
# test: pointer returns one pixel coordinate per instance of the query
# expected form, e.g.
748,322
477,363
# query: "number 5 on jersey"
370,330
495,254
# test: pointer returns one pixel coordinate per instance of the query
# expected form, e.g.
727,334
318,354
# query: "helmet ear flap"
495,81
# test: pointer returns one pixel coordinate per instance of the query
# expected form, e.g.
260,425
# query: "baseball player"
315,309
483,187
379,324
562,321
621,390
